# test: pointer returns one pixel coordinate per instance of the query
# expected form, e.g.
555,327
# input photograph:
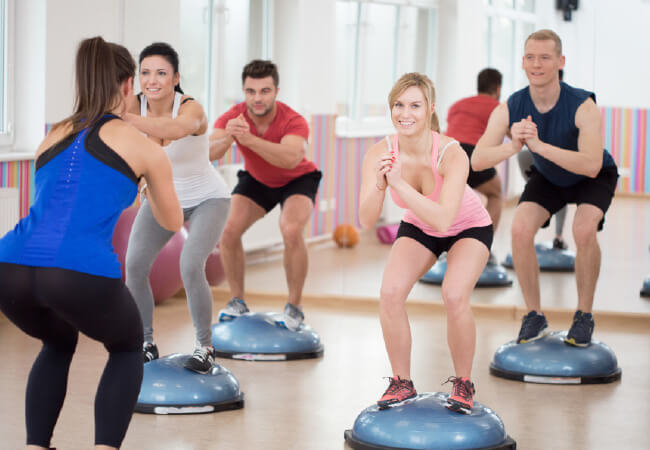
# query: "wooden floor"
308,404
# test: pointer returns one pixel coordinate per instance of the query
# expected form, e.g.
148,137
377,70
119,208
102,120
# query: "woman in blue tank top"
59,274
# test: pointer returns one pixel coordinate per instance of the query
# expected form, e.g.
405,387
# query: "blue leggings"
54,305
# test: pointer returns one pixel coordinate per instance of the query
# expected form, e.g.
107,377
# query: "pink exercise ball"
214,268
165,276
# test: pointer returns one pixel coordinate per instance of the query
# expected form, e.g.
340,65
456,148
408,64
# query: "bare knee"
230,236
584,234
522,231
454,300
292,233
391,300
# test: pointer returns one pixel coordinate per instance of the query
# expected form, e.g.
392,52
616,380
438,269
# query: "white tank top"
195,179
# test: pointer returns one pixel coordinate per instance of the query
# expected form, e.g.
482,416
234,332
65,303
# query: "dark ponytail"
166,51
100,68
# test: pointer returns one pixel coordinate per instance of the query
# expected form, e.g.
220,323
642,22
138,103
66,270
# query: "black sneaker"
580,333
150,351
492,260
559,244
201,360
533,327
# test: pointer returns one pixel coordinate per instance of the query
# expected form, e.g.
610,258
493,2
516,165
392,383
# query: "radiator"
9,209
265,232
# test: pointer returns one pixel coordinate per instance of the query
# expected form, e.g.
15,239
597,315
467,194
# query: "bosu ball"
549,259
494,275
550,360
170,388
257,336
425,423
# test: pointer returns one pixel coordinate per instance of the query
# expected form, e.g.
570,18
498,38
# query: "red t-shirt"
468,118
286,121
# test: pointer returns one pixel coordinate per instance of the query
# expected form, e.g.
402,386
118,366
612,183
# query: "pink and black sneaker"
462,394
398,391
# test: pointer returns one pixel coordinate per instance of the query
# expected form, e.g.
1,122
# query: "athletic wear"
292,317
81,188
556,127
398,391
438,245
597,191
461,398
533,327
471,213
581,330
286,122
206,221
195,179
150,351
267,197
477,178
468,118
201,360
205,200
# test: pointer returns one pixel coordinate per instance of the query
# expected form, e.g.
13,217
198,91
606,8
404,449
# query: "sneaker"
234,308
292,317
580,333
150,351
559,244
533,327
201,360
398,391
461,398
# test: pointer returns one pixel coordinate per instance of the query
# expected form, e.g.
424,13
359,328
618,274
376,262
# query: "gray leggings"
525,160
207,221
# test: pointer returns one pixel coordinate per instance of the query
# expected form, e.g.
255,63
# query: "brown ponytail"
100,68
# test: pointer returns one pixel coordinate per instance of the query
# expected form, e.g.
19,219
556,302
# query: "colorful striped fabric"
625,135
19,174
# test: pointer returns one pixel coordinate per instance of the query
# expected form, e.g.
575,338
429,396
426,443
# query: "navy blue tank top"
82,187
556,127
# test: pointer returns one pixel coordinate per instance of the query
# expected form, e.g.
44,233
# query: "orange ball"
346,236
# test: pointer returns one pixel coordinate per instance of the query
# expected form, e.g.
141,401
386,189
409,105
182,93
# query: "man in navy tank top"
561,126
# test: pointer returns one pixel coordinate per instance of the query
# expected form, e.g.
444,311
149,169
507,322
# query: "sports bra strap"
442,152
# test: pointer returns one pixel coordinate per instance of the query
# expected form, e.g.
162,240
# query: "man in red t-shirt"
466,121
272,138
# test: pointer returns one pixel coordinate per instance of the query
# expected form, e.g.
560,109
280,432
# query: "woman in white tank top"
178,123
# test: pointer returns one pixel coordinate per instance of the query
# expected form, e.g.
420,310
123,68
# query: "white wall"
29,60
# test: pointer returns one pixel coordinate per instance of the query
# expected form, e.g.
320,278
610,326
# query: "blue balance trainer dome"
550,360
170,388
425,423
493,275
549,259
645,289
258,336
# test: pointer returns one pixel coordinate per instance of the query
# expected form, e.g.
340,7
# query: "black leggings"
54,305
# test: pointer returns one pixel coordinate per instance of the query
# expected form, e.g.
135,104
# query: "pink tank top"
471,212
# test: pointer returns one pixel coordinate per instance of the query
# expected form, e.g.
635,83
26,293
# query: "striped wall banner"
19,174
625,135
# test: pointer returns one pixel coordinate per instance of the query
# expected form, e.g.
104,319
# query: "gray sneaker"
292,318
234,308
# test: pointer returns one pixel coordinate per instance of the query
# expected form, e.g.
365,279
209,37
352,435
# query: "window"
218,37
6,75
377,42
509,23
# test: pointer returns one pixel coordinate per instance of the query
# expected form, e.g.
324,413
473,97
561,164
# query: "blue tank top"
81,188
556,127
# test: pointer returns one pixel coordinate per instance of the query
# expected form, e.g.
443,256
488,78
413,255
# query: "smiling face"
410,113
541,62
157,77
260,95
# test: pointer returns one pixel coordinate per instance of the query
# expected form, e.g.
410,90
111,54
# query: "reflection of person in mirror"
272,138
560,125
427,175
177,121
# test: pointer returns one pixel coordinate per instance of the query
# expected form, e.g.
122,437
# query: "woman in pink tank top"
427,175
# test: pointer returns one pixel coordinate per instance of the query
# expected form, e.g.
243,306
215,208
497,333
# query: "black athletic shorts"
438,245
597,191
477,178
267,197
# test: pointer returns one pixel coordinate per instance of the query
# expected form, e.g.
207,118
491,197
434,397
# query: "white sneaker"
292,318
234,308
